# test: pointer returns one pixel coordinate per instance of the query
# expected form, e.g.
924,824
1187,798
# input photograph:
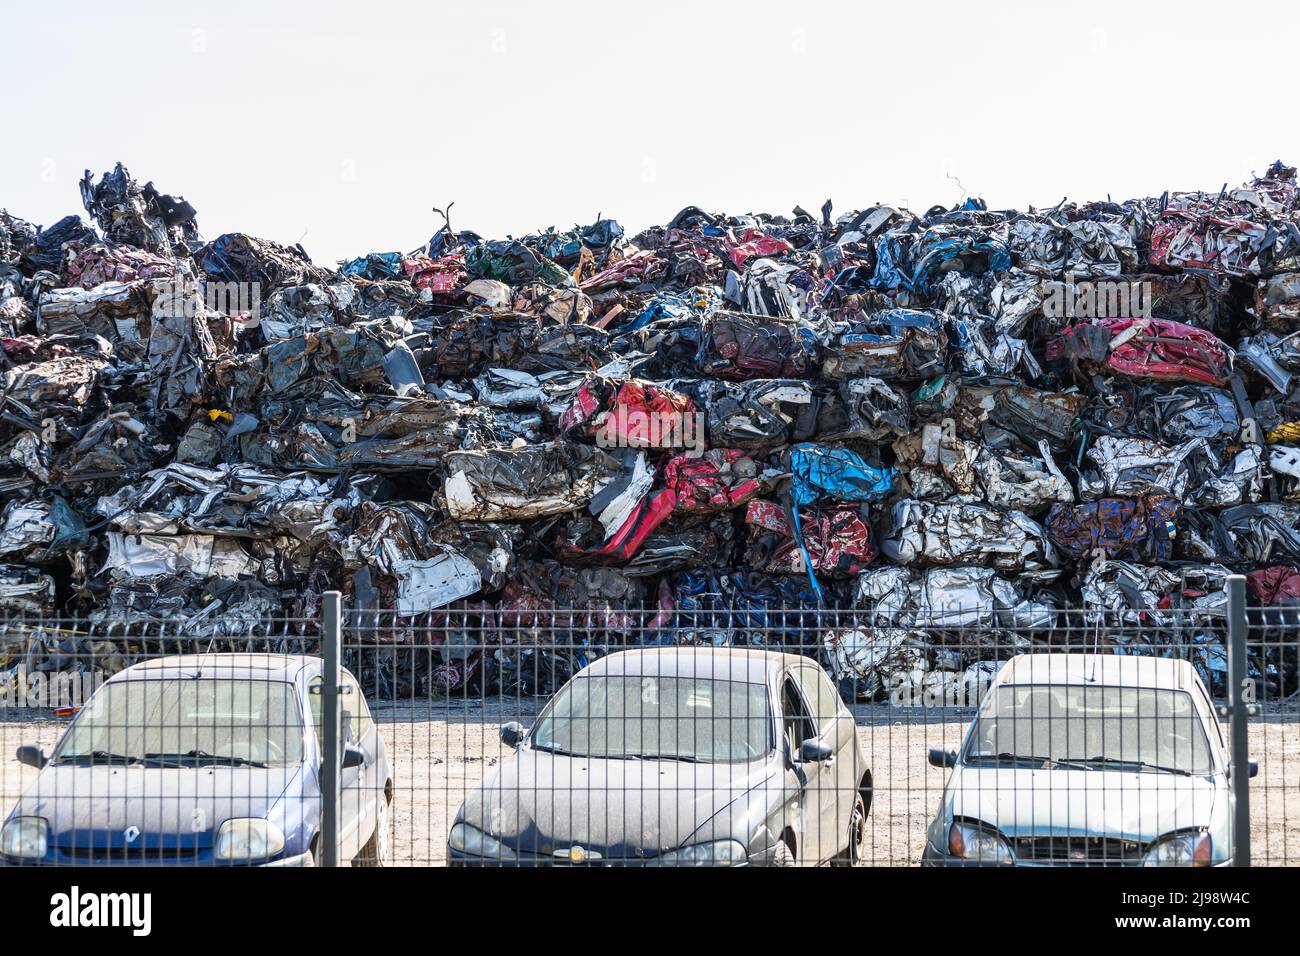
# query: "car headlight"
717,853
26,838
969,842
248,838
1184,849
472,840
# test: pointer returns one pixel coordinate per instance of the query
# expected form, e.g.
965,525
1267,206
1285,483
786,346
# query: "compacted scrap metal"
906,442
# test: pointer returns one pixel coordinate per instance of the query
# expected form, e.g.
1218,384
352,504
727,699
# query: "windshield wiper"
98,756
685,758
555,750
1011,758
1119,761
203,756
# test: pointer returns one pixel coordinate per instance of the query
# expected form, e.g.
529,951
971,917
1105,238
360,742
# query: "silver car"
1087,760
677,756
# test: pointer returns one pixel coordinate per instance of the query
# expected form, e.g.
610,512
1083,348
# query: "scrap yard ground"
440,751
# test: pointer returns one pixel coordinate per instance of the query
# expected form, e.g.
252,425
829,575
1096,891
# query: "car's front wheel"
855,851
375,852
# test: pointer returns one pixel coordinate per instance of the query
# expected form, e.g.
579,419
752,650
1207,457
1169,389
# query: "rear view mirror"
353,756
512,734
942,758
31,755
813,752
1254,768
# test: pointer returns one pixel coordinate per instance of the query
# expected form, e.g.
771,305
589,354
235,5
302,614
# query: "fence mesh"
769,735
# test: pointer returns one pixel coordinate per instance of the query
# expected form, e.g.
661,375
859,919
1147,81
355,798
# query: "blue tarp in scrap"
819,472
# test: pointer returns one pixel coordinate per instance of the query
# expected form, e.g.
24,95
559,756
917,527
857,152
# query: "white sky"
341,125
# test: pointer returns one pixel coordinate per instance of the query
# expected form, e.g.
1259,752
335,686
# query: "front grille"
116,854
1078,850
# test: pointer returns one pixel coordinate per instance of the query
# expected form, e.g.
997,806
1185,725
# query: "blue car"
203,759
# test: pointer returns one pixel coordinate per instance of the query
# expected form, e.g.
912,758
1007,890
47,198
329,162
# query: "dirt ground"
439,752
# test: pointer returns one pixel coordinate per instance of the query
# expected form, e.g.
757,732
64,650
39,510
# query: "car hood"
77,800
1132,806
540,802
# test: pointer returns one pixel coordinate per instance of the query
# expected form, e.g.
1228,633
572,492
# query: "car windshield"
188,722
1094,727
652,717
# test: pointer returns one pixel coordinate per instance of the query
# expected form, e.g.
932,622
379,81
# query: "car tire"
375,852
855,851
783,855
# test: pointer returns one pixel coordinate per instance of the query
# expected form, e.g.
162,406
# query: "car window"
355,712
1157,727
186,722
665,717
1213,714
820,694
352,709
797,723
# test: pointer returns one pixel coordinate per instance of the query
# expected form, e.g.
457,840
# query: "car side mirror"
31,755
1253,767
942,758
353,756
813,752
512,734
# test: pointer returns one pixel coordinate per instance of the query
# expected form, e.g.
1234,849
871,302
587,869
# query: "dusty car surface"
203,759
1088,760
677,757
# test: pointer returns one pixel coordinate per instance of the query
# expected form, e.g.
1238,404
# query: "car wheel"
855,851
375,852
783,855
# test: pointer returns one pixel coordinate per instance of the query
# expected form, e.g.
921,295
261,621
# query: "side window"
797,723
1214,715
822,697
352,704
315,702
352,707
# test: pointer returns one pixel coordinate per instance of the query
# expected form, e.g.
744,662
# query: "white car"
1088,760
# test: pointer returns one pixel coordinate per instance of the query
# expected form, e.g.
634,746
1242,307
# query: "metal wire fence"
537,735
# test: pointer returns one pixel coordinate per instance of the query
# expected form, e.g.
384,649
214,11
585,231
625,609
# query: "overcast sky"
342,125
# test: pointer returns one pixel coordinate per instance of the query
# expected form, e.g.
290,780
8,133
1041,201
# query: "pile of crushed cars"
903,441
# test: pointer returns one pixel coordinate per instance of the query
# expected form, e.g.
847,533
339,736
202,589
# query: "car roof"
746,665
1104,670
269,667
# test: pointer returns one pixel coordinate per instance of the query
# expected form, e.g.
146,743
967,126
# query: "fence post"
331,638
1240,704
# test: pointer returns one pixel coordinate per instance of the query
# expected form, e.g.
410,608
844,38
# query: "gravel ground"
439,752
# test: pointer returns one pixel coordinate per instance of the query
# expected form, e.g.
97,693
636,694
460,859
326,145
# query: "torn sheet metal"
948,598
149,555
739,347
515,483
1148,348
1192,471
1124,594
921,533
1141,529
834,541
435,582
